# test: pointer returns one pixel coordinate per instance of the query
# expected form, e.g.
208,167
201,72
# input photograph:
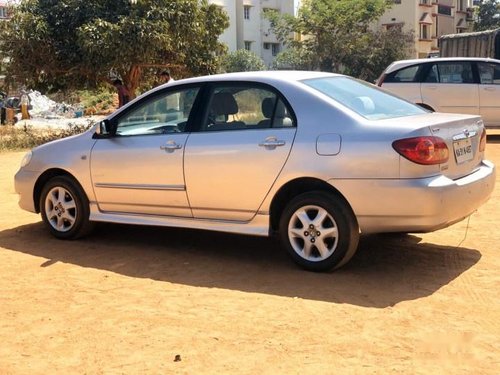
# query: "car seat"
269,106
223,105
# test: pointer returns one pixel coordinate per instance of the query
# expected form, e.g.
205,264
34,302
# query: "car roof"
258,76
396,65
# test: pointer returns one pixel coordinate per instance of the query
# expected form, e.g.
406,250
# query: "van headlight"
26,159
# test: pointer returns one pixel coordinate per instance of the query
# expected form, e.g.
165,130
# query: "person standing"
123,93
24,101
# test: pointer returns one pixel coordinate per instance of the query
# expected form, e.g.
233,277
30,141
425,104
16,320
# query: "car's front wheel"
319,231
65,208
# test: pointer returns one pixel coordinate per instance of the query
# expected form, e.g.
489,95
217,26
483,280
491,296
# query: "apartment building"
429,19
4,14
249,29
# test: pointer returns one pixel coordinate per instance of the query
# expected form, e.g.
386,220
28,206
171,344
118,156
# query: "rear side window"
246,107
408,74
450,72
489,73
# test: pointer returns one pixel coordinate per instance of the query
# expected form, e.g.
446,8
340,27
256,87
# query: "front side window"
167,112
489,74
451,72
363,98
246,107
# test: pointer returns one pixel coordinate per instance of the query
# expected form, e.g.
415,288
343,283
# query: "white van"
451,84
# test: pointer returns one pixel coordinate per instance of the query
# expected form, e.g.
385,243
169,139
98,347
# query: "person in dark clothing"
165,77
123,94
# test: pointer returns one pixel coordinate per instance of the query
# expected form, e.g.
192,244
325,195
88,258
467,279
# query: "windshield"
367,100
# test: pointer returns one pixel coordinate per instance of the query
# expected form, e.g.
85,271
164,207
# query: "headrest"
224,103
268,107
364,105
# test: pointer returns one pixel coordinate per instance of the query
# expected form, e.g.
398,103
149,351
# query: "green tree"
488,15
336,35
75,43
242,61
381,48
294,58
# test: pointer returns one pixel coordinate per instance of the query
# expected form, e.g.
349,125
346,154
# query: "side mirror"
103,129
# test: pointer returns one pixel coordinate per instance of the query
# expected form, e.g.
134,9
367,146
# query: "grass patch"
26,137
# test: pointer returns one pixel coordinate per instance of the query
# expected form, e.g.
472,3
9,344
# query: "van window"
408,74
489,73
451,72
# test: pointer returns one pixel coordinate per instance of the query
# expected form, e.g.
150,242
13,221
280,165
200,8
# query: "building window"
462,5
248,45
267,45
3,12
246,12
444,10
425,2
424,32
397,1
275,48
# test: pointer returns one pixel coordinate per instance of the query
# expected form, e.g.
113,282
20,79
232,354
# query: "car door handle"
170,146
432,87
272,143
489,88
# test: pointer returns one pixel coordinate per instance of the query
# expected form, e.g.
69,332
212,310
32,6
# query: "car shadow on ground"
386,270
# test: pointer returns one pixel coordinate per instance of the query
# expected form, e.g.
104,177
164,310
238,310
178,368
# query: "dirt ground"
129,300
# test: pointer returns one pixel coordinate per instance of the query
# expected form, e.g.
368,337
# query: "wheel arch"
44,178
296,187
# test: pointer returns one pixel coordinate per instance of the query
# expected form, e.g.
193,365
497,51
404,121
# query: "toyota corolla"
316,158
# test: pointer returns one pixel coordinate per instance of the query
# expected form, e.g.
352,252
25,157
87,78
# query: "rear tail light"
482,142
423,150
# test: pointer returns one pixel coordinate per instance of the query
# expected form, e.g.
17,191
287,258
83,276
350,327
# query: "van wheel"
319,231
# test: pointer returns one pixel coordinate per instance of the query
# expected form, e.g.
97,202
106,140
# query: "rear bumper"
417,205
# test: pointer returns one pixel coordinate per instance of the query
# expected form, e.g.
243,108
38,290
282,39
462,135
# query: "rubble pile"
45,112
46,108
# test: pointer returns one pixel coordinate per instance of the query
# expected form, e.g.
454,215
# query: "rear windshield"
363,98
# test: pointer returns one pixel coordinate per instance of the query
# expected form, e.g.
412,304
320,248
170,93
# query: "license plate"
463,150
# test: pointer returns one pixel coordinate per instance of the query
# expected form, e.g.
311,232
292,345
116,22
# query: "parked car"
453,85
317,157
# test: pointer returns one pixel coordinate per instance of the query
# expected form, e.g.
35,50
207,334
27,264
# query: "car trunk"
462,138
462,135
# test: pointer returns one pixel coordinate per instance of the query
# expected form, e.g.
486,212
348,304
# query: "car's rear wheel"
65,208
319,231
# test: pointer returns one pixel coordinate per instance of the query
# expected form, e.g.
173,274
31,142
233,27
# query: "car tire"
319,231
65,208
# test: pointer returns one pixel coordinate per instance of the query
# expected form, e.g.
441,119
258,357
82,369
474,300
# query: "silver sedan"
318,158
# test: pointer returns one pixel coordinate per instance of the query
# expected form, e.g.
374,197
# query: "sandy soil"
128,300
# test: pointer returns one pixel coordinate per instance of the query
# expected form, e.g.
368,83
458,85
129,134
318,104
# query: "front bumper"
24,183
417,205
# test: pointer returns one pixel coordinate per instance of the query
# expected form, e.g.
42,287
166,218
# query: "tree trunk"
132,80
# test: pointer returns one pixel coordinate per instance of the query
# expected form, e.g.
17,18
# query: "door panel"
450,87
228,174
140,168
138,175
239,151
